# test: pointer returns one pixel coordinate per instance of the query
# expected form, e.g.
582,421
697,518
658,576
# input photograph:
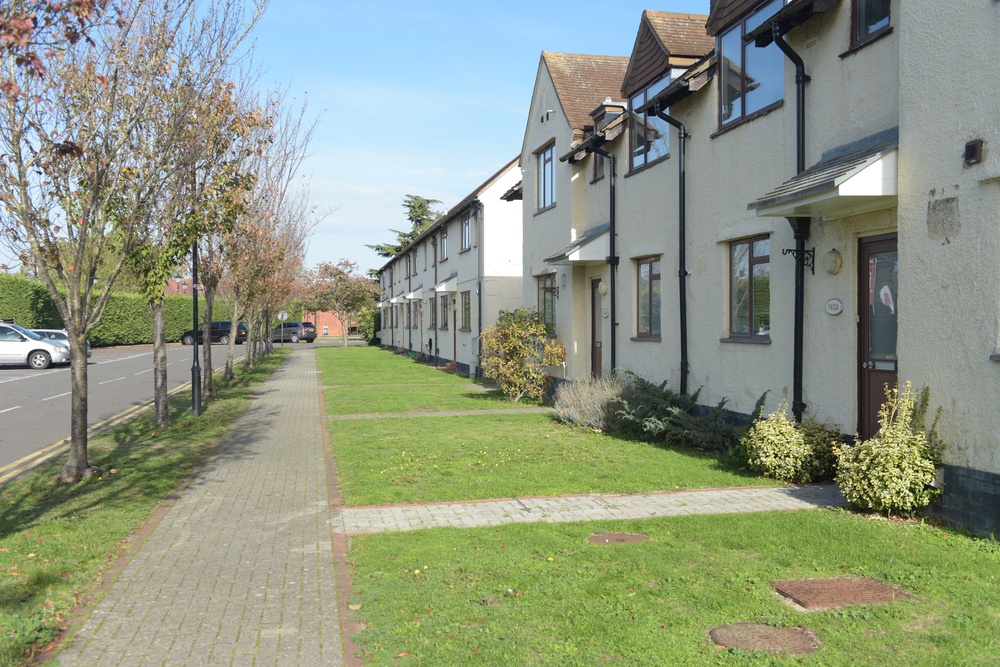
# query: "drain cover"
617,538
760,637
828,593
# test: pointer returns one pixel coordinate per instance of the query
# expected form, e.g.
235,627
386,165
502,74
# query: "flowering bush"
516,351
893,471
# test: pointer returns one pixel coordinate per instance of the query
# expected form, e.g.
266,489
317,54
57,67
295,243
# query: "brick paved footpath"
240,571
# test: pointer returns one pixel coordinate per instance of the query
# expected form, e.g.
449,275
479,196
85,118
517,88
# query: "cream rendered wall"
950,219
548,231
725,172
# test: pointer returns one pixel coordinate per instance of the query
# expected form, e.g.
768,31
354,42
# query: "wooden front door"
596,310
878,283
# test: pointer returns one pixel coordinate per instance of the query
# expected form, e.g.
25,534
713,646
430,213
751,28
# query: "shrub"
822,443
516,352
776,447
589,403
657,413
893,471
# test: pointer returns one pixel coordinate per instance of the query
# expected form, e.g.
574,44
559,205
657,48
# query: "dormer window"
650,134
752,79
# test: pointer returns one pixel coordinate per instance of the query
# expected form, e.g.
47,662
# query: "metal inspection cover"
830,593
760,637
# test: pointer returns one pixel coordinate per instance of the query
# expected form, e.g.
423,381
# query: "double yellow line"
21,466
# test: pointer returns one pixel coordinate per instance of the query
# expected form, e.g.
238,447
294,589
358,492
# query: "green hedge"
126,319
27,302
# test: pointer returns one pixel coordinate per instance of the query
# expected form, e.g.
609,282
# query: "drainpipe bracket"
613,260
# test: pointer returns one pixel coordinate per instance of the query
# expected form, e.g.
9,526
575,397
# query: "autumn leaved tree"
84,159
340,288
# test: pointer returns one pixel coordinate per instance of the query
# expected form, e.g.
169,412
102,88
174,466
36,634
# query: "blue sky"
425,98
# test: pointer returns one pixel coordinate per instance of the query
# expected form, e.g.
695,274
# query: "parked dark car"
219,334
293,332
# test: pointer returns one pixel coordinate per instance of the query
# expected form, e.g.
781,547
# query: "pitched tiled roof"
582,82
681,34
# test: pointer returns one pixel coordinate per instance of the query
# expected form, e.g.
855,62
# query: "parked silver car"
22,346
60,335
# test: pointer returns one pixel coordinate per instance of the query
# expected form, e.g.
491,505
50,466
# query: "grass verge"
56,540
541,594
502,456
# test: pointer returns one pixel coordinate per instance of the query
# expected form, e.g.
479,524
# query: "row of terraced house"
793,196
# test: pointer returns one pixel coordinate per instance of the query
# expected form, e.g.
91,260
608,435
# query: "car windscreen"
26,332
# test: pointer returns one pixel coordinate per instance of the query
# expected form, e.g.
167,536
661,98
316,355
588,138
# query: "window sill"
543,210
645,339
442,328
595,180
871,39
995,357
752,340
648,165
464,250
465,328
754,116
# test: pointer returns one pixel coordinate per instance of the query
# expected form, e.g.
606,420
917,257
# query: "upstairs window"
751,78
467,231
869,19
650,133
444,244
546,178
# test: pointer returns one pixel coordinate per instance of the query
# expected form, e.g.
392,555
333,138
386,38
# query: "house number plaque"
834,306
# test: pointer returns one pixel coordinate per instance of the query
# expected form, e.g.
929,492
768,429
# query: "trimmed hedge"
126,320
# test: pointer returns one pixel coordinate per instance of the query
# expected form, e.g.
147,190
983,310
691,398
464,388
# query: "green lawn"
541,594
502,456
413,397
56,539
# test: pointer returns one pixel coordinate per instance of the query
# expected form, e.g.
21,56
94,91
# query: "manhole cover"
617,538
828,593
760,637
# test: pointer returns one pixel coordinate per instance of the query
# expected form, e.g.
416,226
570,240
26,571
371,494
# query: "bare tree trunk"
77,466
160,398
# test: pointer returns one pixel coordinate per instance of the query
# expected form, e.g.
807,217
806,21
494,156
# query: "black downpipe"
612,257
682,272
409,306
434,249
800,226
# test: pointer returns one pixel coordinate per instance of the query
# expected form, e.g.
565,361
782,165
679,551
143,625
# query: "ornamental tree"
516,352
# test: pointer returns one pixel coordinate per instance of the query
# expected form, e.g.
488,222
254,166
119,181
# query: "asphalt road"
35,405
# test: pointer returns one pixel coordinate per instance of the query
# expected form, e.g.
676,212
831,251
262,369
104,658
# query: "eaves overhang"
691,81
838,186
793,14
590,248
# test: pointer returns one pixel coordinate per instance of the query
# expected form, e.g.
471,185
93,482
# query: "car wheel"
309,340
224,340
39,360
295,338
187,339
